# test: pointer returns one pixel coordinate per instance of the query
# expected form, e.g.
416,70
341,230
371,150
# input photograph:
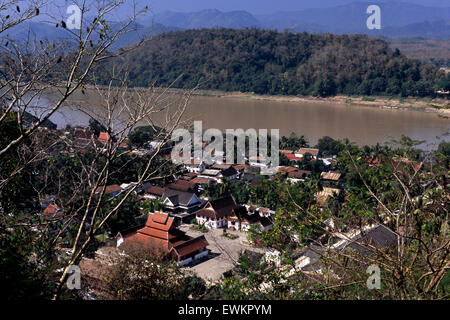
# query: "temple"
160,233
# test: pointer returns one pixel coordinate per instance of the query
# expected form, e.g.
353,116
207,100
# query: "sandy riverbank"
441,106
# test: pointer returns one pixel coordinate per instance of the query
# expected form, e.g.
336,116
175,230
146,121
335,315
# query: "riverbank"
441,106
436,105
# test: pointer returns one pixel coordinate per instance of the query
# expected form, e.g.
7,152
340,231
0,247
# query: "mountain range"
398,19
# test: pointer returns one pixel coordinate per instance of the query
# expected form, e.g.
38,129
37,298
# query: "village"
207,236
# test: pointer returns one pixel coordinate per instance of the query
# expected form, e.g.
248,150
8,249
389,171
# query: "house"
222,166
293,157
230,173
103,138
154,145
263,212
242,219
160,232
52,211
200,183
154,192
195,166
112,190
286,169
259,162
216,212
298,175
180,201
302,151
362,241
83,138
240,168
330,176
189,176
365,241
182,185
212,174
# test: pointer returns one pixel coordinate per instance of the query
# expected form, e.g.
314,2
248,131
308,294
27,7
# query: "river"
363,125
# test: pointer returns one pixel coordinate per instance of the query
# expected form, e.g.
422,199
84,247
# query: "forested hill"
268,62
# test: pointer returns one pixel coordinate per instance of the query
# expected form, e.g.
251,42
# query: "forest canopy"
269,62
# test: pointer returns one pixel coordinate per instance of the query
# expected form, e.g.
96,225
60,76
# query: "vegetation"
144,275
407,200
267,62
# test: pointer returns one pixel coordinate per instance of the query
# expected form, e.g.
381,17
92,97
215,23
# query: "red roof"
188,247
182,185
311,151
155,190
286,169
109,189
103,137
160,231
51,211
292,157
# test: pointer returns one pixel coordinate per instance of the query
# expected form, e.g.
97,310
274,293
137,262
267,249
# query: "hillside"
267,62
436,52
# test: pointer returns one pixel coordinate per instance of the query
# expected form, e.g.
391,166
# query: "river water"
363,125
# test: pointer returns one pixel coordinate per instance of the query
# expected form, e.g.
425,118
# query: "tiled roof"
299,174
181,185
83,134
190,246
52,211
109,189
380,237
103,137
200,180
313,152
287,169
158,231
240,167
155,190
178,197
292,157
330,175
221,166
219,208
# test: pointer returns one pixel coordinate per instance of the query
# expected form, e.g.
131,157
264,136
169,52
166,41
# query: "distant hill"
351,18
207,19
267,62
398,20
44,31
426,29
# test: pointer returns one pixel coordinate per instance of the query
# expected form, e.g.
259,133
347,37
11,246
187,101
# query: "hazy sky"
266,6
58,7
